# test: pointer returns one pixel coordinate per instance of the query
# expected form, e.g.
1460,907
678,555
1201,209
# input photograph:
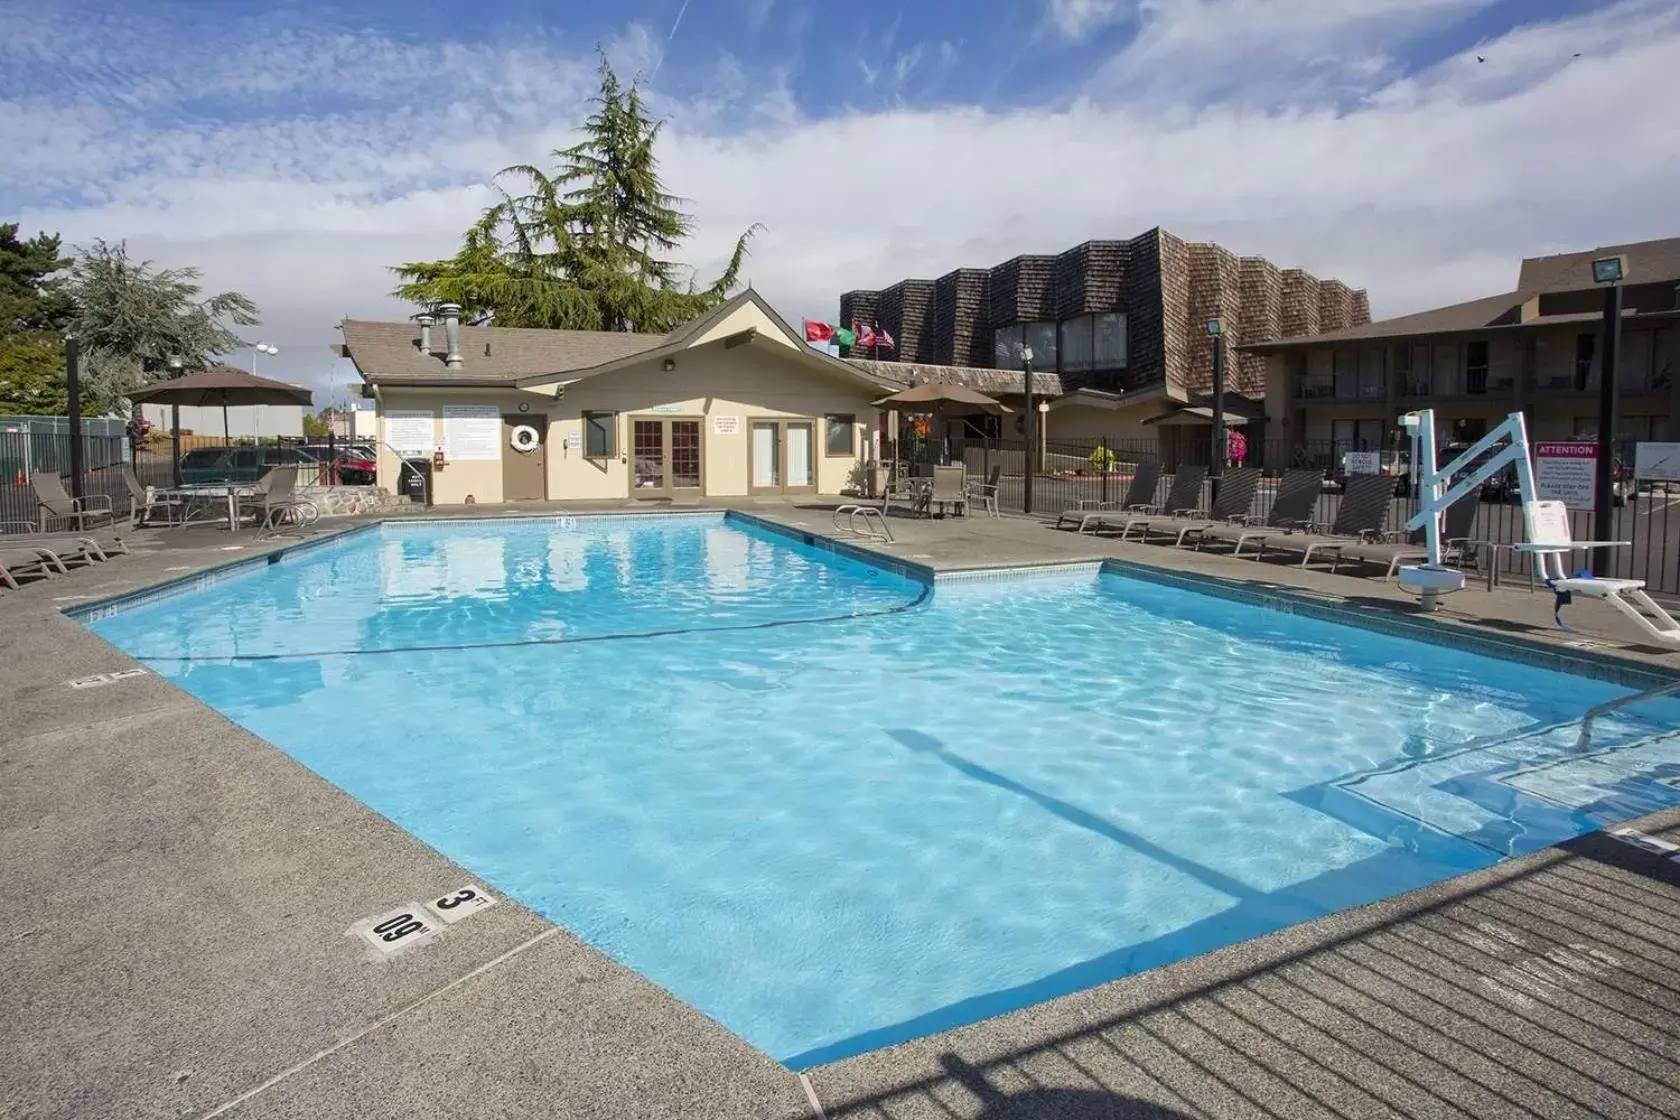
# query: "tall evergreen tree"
34,312
132,318
584,246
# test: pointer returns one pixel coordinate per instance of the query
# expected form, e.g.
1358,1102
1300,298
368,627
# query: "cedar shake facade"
1116,317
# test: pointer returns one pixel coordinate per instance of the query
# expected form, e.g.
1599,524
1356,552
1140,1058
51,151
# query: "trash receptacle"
417,480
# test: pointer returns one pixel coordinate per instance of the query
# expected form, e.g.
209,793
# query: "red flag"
865,335
818,332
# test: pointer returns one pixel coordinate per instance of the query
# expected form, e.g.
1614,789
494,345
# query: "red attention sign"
1577,449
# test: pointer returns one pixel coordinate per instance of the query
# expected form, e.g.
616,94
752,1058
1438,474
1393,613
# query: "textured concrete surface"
175,943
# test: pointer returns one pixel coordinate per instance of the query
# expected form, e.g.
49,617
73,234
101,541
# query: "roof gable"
1648,262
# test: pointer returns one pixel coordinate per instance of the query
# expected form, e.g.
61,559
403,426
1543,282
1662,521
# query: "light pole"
1609,272
261,348
175,430
1216,333
1029,415
73,411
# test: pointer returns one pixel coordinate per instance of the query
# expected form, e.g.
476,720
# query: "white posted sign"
1657,461
1364,462
472,431
726,425
411,432
1563,471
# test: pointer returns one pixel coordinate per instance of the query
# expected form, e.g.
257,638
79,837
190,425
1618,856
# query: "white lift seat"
1549,540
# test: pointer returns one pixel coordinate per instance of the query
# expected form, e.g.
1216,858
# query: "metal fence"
1072,471
28,446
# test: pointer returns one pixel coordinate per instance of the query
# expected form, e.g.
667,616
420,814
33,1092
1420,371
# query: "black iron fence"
1070,472
107,455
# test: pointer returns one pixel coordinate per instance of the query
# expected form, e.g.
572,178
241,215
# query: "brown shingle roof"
1648,262
988,381
1473,315
390,352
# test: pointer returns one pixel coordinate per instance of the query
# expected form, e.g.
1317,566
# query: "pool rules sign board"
1564,470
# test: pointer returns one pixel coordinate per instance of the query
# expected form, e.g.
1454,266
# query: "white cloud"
1077,19
1425,189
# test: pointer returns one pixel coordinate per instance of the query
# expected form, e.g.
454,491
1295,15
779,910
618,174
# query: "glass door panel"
799,456
766,455
685,454
648,447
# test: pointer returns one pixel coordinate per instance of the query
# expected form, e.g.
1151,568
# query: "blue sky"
294,150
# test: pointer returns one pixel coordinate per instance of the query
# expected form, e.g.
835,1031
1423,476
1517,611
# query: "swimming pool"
835,808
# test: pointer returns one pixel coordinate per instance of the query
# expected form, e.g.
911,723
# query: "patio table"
199,496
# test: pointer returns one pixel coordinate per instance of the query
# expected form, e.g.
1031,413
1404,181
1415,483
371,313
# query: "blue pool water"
834,810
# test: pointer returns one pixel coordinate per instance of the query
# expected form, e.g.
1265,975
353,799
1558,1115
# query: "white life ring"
524,438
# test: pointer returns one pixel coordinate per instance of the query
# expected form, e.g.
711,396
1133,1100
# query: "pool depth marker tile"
327,1052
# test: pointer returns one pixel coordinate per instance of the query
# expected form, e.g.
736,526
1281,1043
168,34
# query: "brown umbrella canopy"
221,386
934,394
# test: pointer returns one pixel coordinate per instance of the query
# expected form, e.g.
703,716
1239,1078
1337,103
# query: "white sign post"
1657,462
1564,471
1364,462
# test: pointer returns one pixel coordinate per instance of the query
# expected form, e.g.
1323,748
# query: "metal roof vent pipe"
425,320
451,313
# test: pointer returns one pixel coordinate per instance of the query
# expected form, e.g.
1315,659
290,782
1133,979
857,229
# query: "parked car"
241,464
356,463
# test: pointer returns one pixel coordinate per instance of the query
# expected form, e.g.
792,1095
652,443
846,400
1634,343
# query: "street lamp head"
265,348
1609,270
1026,353
1214,328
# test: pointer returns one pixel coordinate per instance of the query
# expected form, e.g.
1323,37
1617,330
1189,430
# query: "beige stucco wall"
756,381
745,316
1121,425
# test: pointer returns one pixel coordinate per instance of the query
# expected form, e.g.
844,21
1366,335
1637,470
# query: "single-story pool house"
731,404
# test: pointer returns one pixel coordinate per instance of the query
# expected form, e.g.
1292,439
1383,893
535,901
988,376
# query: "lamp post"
73,411
1028,424
1607,271
261,348
175,430
1216,462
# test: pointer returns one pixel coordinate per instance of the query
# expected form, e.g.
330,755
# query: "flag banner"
845,337
883,339
818,332
865,335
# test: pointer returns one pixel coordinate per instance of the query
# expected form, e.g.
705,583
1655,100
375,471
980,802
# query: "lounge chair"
273,496
55,504
72,547
949,489
1184,499
1139,498
1236,495
20,559
1292,512
1455,534
144,500
1359,521
986,493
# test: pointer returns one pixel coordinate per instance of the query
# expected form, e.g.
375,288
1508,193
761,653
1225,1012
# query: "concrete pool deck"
180,893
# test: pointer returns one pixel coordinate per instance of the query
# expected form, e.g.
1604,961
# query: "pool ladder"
864,521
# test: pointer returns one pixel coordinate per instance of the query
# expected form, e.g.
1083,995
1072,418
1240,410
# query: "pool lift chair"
1546,524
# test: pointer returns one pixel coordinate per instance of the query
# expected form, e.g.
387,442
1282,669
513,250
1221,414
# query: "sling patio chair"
1184,499
1292,512
1455,538
56,505
1236,494
1359,521
1139,498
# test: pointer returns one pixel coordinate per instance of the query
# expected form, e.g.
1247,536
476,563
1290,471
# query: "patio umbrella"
224,386
939,393
934,396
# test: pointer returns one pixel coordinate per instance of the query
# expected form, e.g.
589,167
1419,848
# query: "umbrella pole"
227,437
